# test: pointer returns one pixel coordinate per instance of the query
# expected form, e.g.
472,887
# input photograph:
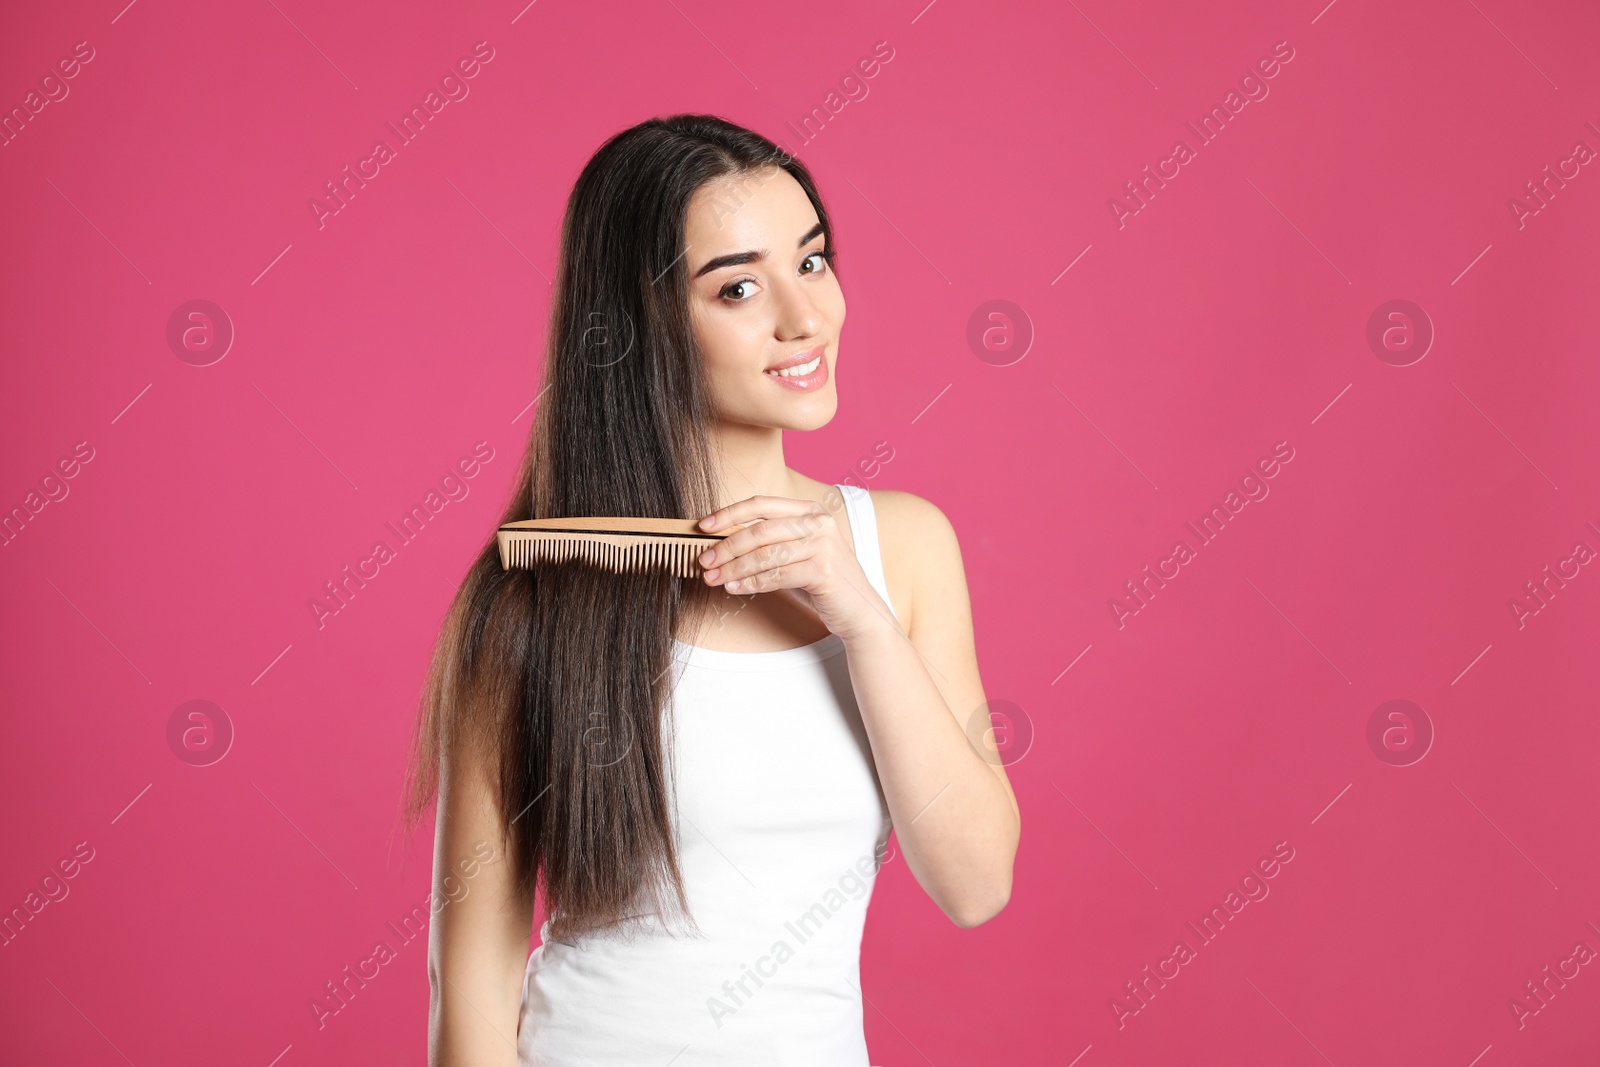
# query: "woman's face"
778,299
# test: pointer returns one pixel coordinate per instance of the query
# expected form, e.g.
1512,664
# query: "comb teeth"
623,553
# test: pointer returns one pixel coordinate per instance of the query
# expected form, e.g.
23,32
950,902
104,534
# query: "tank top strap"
864,529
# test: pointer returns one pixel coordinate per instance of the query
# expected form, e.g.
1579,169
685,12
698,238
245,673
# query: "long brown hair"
560,673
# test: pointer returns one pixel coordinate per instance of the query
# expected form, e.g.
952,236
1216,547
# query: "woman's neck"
752,464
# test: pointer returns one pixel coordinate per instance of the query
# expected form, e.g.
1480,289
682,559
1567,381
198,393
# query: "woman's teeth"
799,371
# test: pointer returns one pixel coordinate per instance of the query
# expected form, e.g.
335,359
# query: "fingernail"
707,556
709,521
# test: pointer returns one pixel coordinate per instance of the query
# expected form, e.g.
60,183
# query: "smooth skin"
762,291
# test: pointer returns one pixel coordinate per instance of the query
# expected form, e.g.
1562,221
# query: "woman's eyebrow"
735,259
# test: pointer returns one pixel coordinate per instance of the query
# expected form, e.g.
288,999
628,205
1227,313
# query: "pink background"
1228,314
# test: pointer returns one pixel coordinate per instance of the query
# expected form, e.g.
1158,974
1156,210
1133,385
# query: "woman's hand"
795,545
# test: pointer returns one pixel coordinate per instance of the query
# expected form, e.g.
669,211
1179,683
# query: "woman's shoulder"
918,545
909,513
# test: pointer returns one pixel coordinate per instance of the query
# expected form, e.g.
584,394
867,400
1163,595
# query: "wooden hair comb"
622,543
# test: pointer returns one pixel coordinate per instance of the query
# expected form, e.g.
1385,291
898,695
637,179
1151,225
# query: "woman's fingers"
793,574
781,522
755,507
760,558
764,534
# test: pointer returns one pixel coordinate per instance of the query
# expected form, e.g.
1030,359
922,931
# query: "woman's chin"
800,412
808,413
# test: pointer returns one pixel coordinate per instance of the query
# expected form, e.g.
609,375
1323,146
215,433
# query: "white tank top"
780,822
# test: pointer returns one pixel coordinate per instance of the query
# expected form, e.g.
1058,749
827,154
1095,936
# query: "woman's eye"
728,290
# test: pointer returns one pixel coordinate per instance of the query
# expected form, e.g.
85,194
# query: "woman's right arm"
479,939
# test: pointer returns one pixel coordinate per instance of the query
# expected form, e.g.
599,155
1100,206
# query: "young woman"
700,775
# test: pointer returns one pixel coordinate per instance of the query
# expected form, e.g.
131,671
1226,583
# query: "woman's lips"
806,383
